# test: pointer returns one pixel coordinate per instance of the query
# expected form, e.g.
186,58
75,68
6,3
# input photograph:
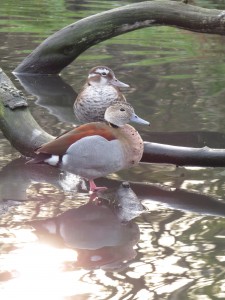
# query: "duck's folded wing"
60,145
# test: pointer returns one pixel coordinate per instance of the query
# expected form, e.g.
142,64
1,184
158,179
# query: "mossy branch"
16,121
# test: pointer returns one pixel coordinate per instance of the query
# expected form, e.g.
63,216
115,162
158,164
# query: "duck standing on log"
97,149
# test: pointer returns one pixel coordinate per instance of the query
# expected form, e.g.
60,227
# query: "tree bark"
16,121
61,48
183,156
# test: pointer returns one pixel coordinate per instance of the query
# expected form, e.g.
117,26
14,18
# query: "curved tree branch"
61,48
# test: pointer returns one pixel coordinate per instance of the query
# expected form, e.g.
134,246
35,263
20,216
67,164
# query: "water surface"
173,251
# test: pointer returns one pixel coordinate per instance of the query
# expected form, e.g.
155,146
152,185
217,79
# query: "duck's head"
120,114
102,75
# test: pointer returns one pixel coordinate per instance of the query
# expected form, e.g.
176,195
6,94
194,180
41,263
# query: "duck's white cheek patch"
53,160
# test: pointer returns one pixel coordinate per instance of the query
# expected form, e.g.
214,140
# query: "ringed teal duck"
99,148
99,92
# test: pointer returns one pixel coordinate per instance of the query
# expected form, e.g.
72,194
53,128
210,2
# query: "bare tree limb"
183,156
61,48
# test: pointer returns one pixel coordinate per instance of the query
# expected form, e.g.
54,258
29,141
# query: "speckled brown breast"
92,102
132,143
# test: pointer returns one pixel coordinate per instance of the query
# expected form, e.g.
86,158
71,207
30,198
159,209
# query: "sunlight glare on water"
38,270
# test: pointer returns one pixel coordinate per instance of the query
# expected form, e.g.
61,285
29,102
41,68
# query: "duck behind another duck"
99,92
99,148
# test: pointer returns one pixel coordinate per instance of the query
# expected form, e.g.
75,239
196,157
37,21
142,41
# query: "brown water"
173,251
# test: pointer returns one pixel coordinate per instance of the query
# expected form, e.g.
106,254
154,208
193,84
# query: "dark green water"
177,81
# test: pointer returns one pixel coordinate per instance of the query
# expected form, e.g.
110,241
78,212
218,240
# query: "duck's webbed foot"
94,188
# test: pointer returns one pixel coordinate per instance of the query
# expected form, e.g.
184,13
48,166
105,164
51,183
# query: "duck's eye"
122,109
104,74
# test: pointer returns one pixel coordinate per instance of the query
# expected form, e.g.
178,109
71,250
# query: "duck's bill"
118,83
134,118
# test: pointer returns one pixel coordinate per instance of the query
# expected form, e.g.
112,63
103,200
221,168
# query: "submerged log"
61,48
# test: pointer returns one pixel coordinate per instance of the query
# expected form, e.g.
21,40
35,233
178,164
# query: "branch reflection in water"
17,178
167,256
52,93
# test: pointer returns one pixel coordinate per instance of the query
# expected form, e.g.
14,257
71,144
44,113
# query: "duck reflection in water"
102,231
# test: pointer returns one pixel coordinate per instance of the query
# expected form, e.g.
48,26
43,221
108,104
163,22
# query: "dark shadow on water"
52,93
